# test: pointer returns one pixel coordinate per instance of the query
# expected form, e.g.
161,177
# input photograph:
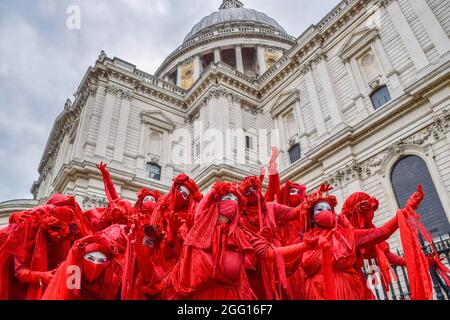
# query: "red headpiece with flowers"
286,189
357,207
142,194
320,195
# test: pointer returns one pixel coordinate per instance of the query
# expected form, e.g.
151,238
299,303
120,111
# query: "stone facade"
315,89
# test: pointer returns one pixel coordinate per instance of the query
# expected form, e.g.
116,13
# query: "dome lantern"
228,4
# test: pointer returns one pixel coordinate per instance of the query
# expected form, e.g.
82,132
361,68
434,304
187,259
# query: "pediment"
285,99
357,41
158,119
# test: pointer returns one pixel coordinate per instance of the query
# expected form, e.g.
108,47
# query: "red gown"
344,242
211,265
38,245
112,243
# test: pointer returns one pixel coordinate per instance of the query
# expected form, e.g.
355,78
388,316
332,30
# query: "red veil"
112,243
164,213
201,272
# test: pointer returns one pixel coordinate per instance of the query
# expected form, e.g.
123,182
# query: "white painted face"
96,257
294,192
321,206
250,191
230,196
149,199
184,192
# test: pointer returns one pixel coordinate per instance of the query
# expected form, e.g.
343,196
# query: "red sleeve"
366,238
285,214
110,190
394,259
273,190
261,178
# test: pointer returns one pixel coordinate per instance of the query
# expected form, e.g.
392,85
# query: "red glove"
416,199
102,167
19,217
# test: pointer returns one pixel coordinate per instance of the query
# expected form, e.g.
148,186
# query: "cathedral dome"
233,11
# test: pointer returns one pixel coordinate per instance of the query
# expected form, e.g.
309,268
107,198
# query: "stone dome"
233,11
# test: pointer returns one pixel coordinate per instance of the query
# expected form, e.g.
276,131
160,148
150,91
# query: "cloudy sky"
42,61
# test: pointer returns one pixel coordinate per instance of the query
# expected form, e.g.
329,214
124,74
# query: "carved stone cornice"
436,130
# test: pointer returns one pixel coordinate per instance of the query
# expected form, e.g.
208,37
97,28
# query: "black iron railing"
400,289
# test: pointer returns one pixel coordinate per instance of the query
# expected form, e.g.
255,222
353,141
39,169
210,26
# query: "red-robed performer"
175,213
37,245
266,220
359,208
212,264
119,210
330,269
93,268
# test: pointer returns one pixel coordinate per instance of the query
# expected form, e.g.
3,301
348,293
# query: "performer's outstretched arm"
110,190
273,190
368,238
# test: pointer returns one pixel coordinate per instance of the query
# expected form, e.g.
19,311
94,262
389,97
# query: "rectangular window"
154,171
249,142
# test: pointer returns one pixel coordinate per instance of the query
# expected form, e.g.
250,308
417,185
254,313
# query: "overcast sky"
42,61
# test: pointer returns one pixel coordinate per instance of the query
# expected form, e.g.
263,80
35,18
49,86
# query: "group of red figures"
233,243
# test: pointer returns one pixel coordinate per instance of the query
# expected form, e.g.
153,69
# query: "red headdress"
285,190
207,215
165,209
142,194
357,209
255,182
320,195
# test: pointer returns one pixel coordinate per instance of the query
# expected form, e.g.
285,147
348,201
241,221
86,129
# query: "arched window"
295,153
380,97
406,175
154,171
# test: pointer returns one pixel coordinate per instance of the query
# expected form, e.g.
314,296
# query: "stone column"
406,33
301,126
105,122
197,70
217,57
330,93
179,67
431,25
390,72
261,60
239,60
315,104
83,127
121,137
358,98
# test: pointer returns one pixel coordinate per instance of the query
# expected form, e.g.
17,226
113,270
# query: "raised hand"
416,198
262,171
102,167
275,154
273,166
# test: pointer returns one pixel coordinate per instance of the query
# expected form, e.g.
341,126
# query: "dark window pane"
406,175
249,142
295,153
380,97
154,171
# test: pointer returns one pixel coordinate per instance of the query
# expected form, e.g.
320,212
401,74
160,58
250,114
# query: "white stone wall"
332,104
